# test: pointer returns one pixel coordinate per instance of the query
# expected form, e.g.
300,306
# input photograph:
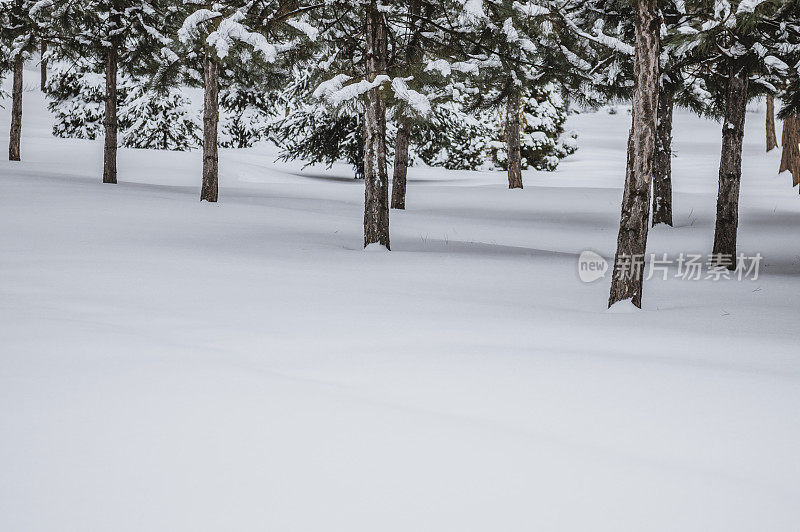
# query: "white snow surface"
171,365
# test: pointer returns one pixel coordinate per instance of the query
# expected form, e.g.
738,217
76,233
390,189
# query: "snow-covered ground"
167,365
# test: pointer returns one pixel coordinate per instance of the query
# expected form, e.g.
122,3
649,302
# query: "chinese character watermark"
685,266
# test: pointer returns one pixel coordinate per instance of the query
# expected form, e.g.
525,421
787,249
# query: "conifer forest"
393,266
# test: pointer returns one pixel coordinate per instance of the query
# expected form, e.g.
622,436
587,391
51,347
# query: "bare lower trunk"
513,141
210,188
376,179
110,120
16,111
401,164
43,66
730,166
626,281
790,151
662,175
413,53
772,141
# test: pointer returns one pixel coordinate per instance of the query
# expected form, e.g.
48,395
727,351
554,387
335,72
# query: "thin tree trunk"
662,176
376,179
790,152
626,280
786,143
361,146
110,121
43,66
772,141
413,54
16,111
512,140
730,166
210,124
401,164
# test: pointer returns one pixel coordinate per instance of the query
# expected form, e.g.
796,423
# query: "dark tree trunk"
401,164
43,66
376,179
359,164
730,166
512,140
626,280
210,125
110,121
662,175
16,111
772,141
413,54
790,152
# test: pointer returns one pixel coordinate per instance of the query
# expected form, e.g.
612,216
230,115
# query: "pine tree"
772,141
224,33
734,44
117,37
786,45
314,131
77,99
416,36
357,76
790,154
247,116
18,32
628,274
376,202
157,119
320,137
515,51
43,65
609,26
542,139
454,139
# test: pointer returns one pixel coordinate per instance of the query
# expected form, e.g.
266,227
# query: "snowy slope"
168,365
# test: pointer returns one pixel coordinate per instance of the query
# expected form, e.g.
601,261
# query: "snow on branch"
417,101
310,31
330,86
748,6
600,38
446,68
335,92
230,29
531,9
350,92
473,10
190,26
612,42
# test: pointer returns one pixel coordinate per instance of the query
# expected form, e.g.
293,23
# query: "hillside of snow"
167,365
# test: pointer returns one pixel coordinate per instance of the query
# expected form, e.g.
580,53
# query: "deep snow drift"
168,365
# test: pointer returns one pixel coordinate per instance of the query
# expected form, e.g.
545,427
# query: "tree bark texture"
43,66
401,164
210,188
110,119
376,179
400,170
730,165
662,176
790,149
772,141
626,280
15,136
512,139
